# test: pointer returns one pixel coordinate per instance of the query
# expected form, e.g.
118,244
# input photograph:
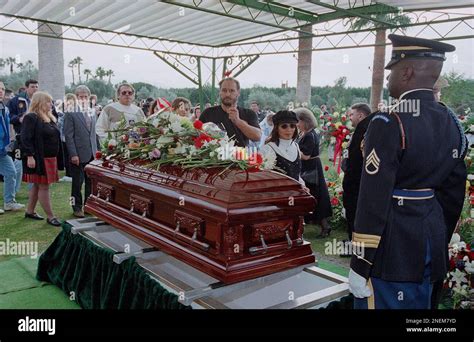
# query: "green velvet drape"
77,265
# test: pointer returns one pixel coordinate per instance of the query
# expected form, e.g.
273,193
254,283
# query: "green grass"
16,227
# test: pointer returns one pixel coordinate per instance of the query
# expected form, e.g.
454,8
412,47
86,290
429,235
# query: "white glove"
358,285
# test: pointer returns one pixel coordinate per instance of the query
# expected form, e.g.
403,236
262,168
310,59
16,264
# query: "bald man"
412,185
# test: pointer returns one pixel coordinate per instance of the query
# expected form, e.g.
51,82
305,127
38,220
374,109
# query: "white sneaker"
13,206
1,211
66,179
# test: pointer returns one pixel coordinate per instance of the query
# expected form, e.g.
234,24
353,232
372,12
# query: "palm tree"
3,62
79,61
29,65
100,73
379,49
109,73
72,64
11,61
20,66
87,72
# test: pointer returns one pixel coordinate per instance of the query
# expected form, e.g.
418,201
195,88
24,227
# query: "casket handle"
288,239
191,240
263,249
195,234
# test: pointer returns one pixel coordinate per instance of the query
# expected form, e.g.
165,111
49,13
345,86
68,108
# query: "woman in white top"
282,144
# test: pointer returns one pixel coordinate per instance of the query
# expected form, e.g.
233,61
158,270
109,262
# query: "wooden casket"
233,225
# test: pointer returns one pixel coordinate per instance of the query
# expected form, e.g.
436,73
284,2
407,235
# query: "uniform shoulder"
381,116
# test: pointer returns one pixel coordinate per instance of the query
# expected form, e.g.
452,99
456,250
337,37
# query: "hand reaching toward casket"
358,285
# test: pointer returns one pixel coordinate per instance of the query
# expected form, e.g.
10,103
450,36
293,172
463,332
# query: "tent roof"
209,23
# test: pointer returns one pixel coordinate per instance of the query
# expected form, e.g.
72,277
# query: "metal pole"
201,95
213,85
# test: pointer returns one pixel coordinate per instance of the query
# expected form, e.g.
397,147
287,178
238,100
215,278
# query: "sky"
136,65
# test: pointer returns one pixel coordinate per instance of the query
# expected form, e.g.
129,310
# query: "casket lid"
228,185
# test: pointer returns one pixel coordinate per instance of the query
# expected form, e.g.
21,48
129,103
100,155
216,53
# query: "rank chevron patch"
372,163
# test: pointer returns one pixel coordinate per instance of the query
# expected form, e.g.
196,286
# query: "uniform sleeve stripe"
359,237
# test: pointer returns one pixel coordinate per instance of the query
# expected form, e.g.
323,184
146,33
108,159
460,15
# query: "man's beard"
228,102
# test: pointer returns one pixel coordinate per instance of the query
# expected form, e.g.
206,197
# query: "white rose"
176,127
165,115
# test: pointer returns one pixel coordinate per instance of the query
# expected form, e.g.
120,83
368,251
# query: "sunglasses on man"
124,93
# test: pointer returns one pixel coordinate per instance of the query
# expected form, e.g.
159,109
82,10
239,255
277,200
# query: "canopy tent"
230,35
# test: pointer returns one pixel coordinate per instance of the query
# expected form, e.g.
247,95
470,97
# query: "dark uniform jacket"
352,165
395,231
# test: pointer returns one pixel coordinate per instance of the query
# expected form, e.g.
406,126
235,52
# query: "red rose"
98,155
259,158
198,124
321,117
330,119
326,168
201,139
334,201
343,118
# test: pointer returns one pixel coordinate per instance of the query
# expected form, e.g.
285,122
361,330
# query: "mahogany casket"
233,225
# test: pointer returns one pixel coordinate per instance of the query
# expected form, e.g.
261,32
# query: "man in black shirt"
241,124
352,165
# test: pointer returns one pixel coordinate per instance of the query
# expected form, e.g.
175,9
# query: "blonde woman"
40,140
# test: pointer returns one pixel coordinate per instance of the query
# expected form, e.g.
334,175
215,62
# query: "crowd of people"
43,136
403,187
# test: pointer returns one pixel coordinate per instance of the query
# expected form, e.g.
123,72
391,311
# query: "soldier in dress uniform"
412,185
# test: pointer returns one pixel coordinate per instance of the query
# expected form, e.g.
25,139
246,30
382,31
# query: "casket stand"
233,225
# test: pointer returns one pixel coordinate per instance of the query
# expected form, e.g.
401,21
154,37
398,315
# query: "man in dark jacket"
352,166
82,144
19,105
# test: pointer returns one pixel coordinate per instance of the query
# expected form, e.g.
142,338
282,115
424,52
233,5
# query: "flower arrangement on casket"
171,139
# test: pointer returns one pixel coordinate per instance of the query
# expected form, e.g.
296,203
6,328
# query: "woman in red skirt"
40,140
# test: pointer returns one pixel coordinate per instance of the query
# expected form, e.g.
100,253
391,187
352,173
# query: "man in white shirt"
114,112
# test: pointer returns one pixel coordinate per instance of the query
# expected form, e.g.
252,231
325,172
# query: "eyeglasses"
126,93
285,126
